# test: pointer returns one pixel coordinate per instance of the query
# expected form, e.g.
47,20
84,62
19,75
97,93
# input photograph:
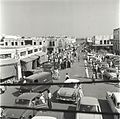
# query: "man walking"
49,99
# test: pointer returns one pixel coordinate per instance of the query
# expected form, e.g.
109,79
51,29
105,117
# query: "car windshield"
22,101
69,86
88,108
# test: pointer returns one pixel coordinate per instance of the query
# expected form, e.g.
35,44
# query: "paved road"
77,71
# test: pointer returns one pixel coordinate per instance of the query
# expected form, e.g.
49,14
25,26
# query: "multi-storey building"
102,42
58,43
116,41
20,54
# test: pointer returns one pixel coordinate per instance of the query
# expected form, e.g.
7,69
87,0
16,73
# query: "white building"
102,41
22,54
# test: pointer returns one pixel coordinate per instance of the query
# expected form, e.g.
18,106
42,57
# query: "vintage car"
25,100
48,115
88,104
43,77
70,92
110,74
113,99
43,117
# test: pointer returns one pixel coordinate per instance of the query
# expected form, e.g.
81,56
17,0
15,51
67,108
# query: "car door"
113,103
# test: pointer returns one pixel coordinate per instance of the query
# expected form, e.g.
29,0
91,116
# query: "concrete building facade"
102,42
116,41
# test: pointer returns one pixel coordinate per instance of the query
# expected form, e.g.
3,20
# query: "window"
88,108
4,56
53,43
21,43
16,43
40,43
100,41
107,41
50,43
35,50
6,43
104,41
23,53
30,51
12,43
34,43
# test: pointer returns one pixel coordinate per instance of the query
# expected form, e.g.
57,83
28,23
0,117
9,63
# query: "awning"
7,71
29,59
40,54
4,62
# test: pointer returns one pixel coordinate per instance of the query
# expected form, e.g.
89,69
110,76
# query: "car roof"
117,96
37,75
89,100
28,96
72,81
43,117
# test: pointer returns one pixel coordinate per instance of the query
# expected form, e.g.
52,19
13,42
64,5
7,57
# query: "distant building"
102,42
116,41
58,43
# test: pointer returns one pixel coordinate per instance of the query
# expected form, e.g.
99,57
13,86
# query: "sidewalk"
77,71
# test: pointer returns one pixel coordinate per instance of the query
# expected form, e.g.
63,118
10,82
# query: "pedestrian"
96,70
117,72
65,64
42,98
86,71
93,77
67,76
85,62
49,99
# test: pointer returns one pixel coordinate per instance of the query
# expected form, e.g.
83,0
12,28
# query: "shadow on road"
68,115
16,93
105,108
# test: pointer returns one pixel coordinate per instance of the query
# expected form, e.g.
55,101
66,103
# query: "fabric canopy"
7,71
29,59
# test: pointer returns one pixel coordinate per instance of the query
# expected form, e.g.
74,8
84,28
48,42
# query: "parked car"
109,74
43,117
48,115
43,77
113,99
70,92
25,100
88,104
2,89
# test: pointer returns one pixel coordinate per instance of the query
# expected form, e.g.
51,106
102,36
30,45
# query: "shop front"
29,63
8,71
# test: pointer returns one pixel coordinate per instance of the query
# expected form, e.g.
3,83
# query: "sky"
80,18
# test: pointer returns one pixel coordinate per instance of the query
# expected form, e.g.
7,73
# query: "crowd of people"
62,60
98,63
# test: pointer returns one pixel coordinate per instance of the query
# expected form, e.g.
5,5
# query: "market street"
77,71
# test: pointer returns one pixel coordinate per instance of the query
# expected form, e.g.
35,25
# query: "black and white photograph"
59,59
